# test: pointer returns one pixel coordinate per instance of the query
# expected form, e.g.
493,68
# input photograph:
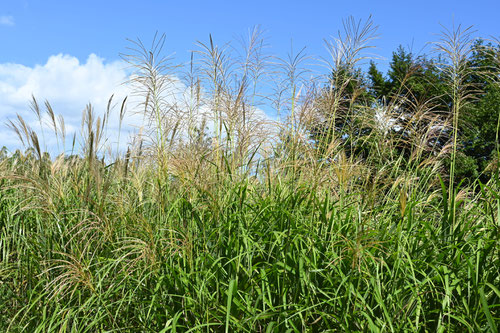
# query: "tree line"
411,104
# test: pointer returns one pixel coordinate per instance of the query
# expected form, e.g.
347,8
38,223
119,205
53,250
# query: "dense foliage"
419,80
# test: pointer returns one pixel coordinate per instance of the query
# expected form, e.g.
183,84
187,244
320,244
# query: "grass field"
215,219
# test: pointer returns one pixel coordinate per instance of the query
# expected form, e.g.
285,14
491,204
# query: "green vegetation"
352,213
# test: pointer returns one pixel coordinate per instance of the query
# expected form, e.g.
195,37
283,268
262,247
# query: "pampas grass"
217,219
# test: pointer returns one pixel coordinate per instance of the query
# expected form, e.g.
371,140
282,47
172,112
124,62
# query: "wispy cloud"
6,20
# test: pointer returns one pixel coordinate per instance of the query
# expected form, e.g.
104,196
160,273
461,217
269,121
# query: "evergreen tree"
414,94
479,121
342,105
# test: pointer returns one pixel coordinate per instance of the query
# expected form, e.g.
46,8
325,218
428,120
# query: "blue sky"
41,28
68,51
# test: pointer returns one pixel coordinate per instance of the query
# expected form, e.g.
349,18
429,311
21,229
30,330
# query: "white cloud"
6,20
67,84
